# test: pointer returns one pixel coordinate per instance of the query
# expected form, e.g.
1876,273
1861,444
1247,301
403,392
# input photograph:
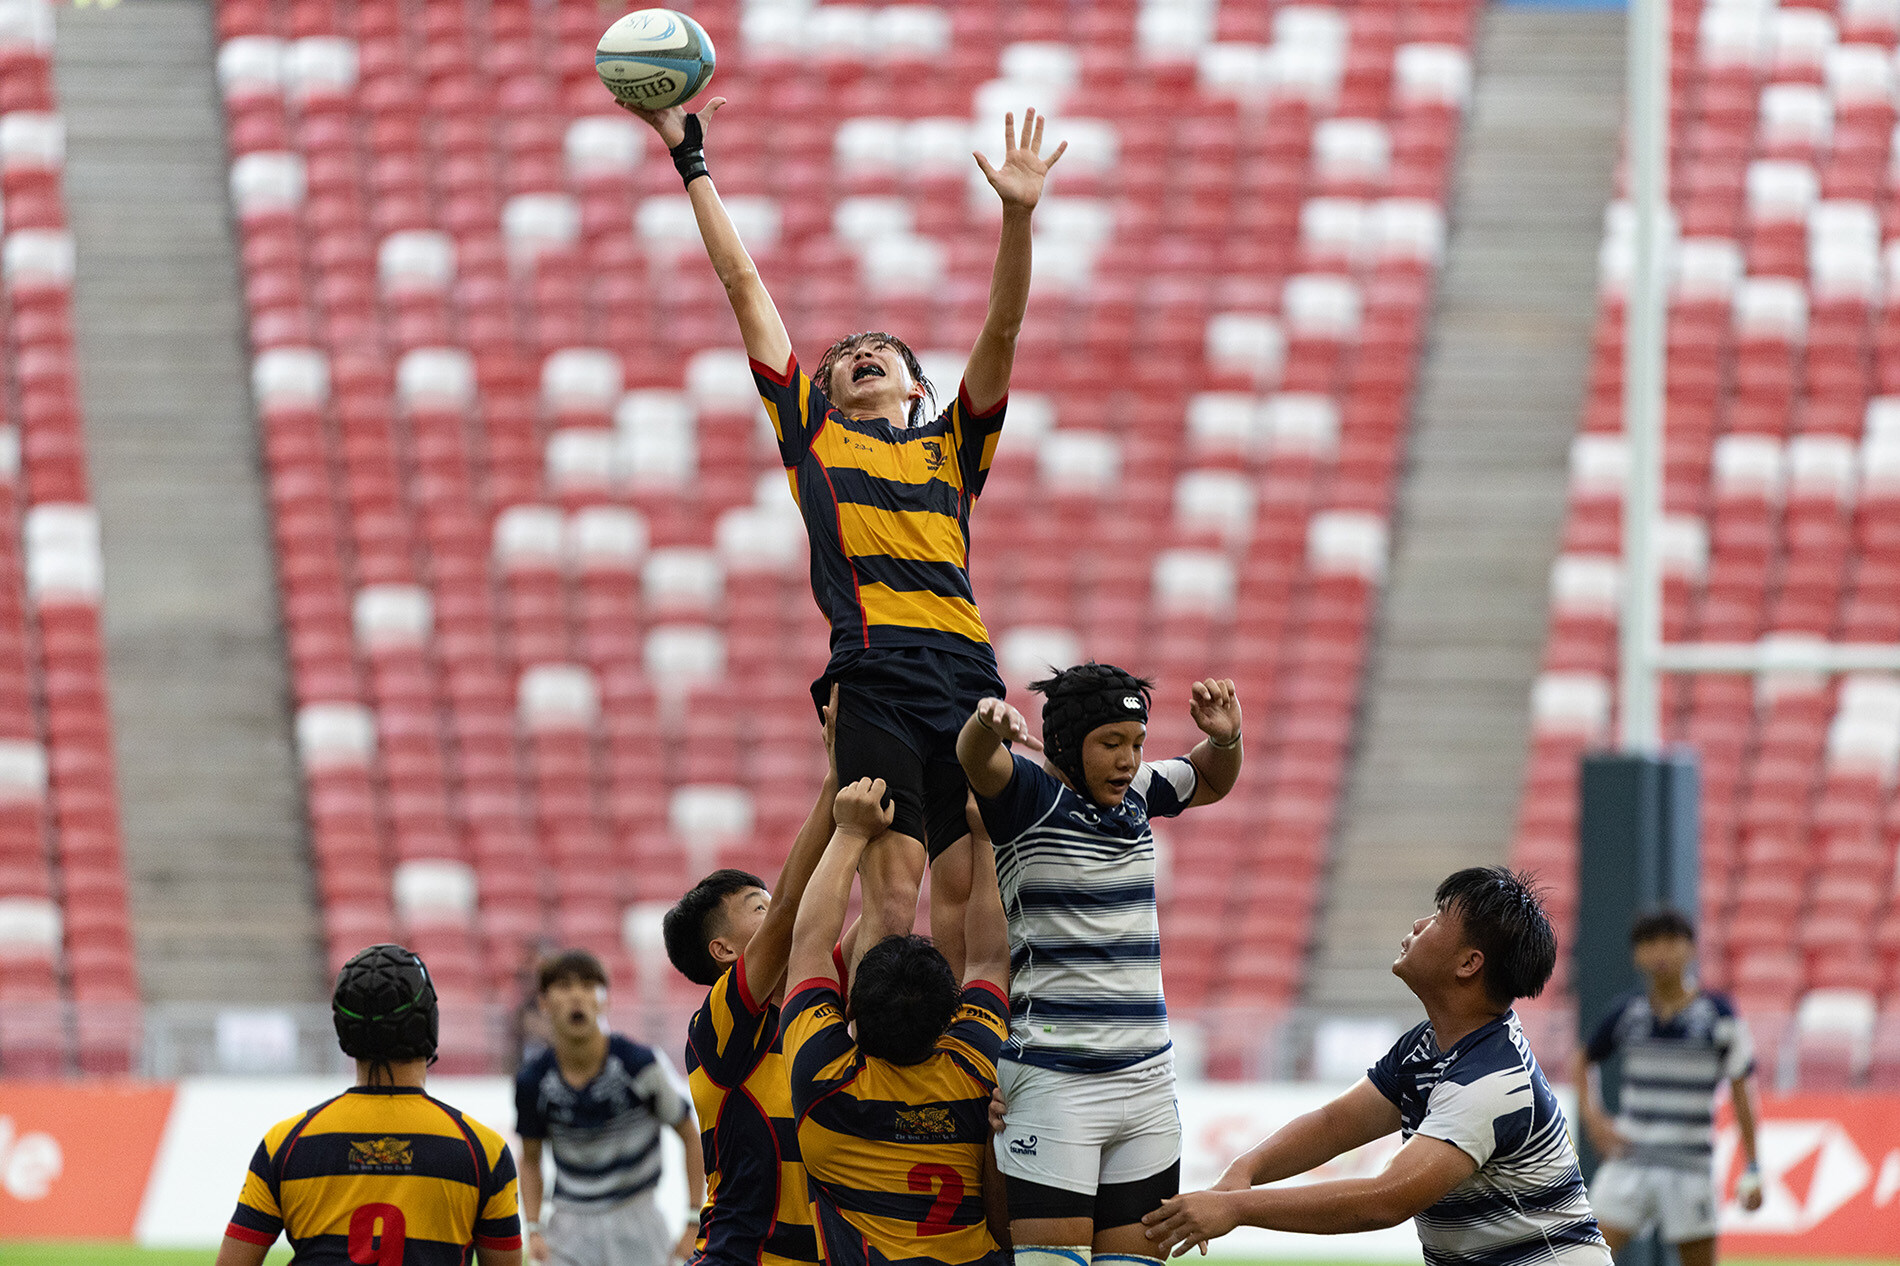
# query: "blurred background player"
600,1100
894,1123
1092,1139
1679,1044
1487,1170
733,936
383,1172
886,489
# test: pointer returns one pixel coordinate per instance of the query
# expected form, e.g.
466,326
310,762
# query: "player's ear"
1470,965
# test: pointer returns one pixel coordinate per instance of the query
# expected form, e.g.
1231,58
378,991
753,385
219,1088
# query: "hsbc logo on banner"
1830,1170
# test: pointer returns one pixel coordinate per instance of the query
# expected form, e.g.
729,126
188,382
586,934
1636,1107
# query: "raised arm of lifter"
759,325
1018,182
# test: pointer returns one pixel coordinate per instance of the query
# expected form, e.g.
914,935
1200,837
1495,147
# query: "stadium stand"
64,930
1781,528
544,586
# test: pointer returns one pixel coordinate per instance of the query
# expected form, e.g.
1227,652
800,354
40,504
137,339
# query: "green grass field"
43,1253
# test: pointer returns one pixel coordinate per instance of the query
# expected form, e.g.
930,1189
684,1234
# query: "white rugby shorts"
1076,1131
631,1233
1633,1197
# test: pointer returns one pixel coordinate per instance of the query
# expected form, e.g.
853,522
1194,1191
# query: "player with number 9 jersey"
384,1174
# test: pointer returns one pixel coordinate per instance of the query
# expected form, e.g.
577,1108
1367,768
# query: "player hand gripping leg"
1019,182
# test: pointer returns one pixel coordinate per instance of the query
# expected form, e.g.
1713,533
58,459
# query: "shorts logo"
381,1156
1023,1146
933,455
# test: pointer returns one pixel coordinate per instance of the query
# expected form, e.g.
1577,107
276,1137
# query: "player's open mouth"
865,371
1119,784
577,1017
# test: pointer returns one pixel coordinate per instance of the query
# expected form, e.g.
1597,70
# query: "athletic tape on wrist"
689,156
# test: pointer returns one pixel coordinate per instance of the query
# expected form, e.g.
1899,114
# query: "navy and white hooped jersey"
1671,1071
1078,882
1487,1097
605,1136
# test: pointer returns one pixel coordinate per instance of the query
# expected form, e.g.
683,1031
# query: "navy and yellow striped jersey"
756,1211
376,1168
888,512
895,1151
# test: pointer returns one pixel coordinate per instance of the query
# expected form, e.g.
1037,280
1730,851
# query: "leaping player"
885,489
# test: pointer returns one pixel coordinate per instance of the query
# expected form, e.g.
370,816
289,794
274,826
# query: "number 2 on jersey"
949,1196
364,1250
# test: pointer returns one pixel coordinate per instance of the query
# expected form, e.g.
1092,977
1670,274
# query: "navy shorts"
899,712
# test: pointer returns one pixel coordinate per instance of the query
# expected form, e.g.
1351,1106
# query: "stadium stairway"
1480,511
218,867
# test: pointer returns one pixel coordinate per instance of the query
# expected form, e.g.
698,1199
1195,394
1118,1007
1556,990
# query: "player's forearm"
1324,1208
236,1252
721,236
986,762
1744,1117
1218,767
821,913
1301,1144
808,847
985,926
1009,279
530,1175
695,1163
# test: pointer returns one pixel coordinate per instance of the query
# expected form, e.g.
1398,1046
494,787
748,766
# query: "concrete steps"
1435,783
221,885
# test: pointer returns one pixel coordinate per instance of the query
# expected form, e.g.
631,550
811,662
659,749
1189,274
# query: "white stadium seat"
319,66
335,736
1236,69
1570,703
1796,115
719,380
267,183
607,538
30,928
1245,343
1586,585
534,223
1347,543
1822,467
1707,268
751,539
1683,543
858,222
1410,229
1748,466
1194,582
680,578
905,266
1351,150
433,890
63,563
38,259
1771,308
1781,190
1431,74
290,377
911,32
528,538
1041,61
598,146
30,139
251,66
679,656
436,378
416,261
388,616
22,771
1298,422
583,461
1028,652
1079,462
582,380
710,811
558,697
1599,466
1215,500
871,145
1319,305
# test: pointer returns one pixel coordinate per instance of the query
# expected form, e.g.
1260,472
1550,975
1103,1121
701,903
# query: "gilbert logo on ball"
654,58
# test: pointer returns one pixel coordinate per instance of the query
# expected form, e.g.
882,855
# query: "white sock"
1126,1259
1051,1255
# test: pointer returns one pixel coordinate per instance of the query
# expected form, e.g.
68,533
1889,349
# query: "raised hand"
1006,723
1018,182
1215,707
861,809
670,123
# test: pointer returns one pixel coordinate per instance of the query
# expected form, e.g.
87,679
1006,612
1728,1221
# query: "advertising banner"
162,1164
1830,1169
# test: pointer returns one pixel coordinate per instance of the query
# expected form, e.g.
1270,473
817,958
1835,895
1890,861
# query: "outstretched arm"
1748,1187
1215,706
861,815
759,325
1306,1142
767,951
1422,1173
1018,182
985,926
986,762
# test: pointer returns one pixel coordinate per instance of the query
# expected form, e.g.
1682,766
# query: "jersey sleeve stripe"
779,377
963,400
249,1236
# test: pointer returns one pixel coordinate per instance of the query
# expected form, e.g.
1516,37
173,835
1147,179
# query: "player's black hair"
1079,699
852,342
384,1008
903,997
574,964
1666,923
696,918
1502,913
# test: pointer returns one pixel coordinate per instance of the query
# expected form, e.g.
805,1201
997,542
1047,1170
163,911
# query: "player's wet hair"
1502,913
903,997
1080,699
574,964
852,342
1665,924
699,916
384,1008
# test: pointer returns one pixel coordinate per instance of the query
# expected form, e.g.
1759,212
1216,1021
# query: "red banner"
1830,1169
75,1156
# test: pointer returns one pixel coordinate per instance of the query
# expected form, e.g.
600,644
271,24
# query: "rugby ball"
654,58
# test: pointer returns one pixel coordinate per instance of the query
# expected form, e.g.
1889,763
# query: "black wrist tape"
689,156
